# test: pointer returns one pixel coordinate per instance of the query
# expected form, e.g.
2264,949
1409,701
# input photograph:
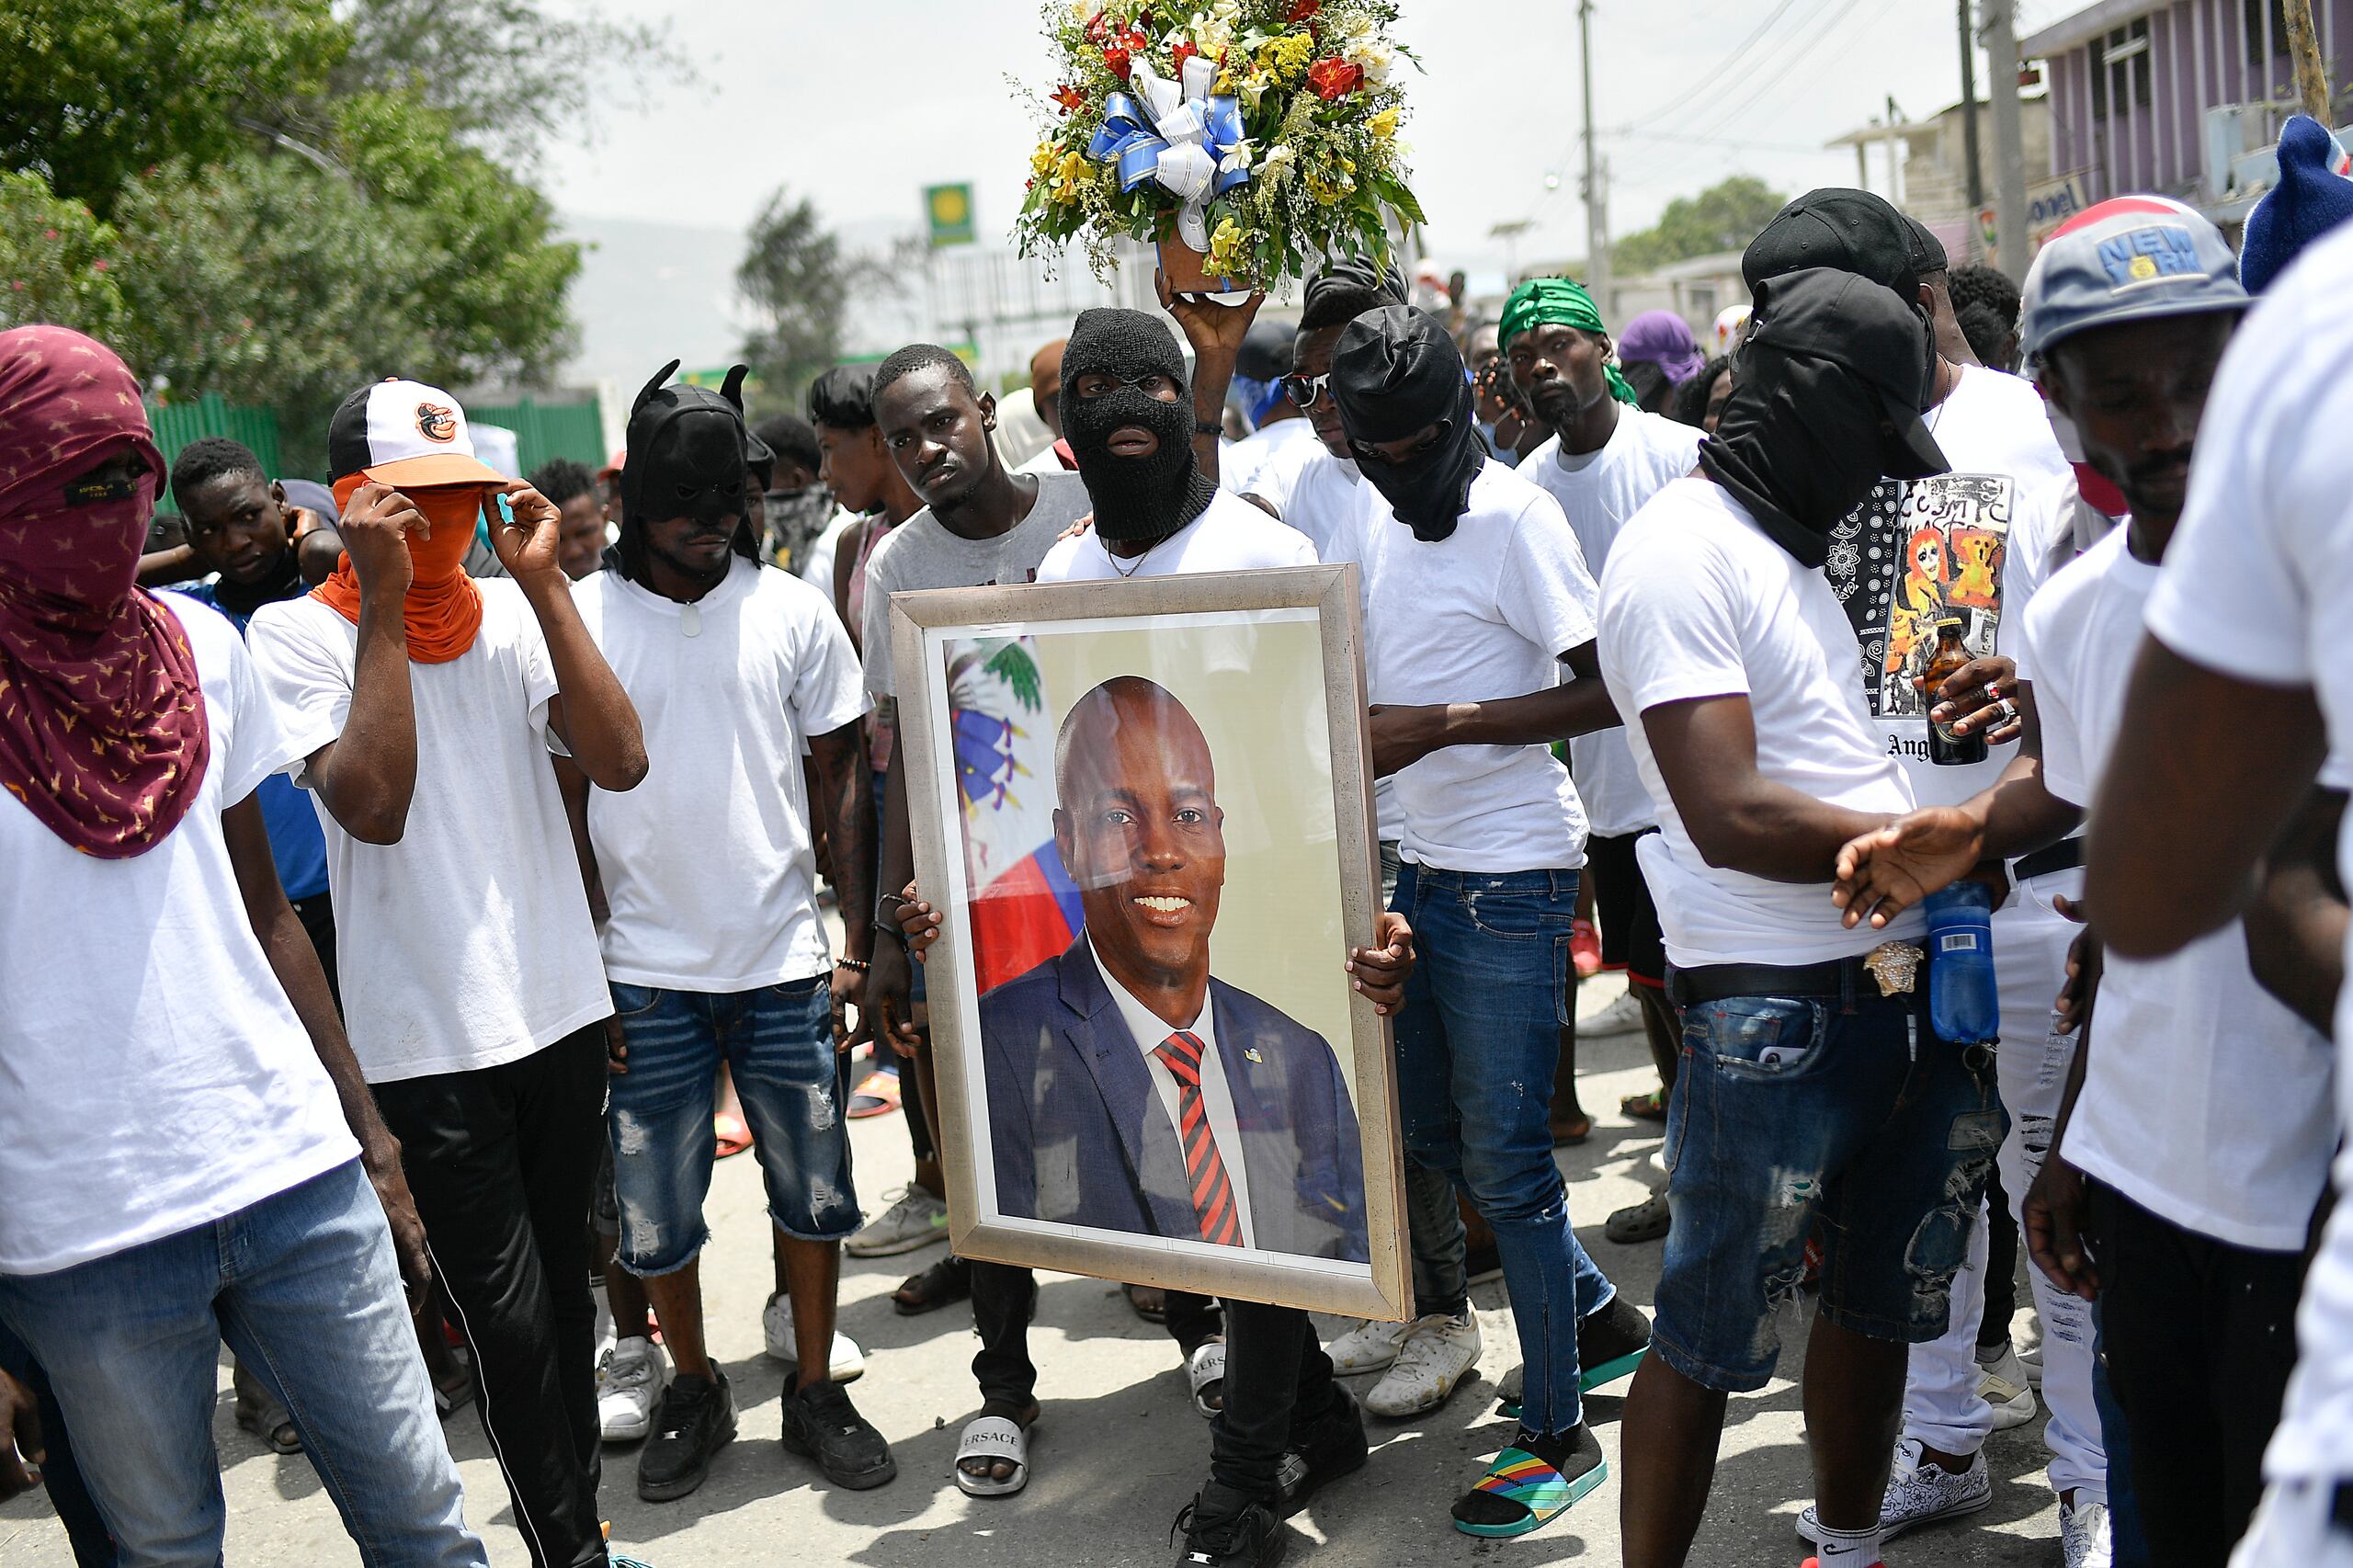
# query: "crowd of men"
389,910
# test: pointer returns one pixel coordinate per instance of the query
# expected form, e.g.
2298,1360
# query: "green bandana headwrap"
1540,301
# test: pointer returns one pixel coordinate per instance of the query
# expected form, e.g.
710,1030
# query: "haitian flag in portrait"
1025,907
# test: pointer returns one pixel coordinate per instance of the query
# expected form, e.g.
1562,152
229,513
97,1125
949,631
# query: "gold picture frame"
1251,657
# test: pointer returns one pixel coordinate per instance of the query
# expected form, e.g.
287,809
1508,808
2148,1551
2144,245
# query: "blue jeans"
304,1289
778,1042
1843,1108
1477,1044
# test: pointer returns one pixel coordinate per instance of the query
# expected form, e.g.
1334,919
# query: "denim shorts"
778,1042
1842,1111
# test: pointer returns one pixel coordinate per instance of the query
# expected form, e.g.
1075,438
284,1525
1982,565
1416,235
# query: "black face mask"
1395,373
1136,499
689,456
1799,445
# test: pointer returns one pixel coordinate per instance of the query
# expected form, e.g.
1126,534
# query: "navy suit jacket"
1081,1136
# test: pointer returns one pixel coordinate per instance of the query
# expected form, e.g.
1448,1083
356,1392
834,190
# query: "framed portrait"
1145,810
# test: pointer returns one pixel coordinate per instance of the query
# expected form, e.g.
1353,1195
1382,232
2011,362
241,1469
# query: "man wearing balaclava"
1478,634
1813,1084
1907,555
423,705
187,1146
714,948
1128,414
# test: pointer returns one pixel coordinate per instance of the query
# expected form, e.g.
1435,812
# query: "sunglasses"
1307,391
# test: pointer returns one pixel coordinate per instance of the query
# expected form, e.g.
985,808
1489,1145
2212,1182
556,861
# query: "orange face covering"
444,607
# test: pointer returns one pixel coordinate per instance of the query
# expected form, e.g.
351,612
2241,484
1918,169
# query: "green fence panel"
544,430
177,424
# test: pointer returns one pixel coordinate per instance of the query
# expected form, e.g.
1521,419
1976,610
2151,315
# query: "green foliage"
92,92
795,274
257,198
57,262
1723,217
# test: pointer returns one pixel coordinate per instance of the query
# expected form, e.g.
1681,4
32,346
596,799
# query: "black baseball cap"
1927,251
1265,354
1851,231
1829,315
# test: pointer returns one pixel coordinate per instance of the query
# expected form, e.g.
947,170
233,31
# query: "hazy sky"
860,105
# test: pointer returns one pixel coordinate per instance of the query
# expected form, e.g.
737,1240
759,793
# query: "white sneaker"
1368,1346
2083,1536
2032,1361
1437,1355
1623,1015
629,1381
2002,1384
847,1362
1919,1492
917,1220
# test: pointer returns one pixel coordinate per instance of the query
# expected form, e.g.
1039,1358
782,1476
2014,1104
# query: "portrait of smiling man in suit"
1129,1089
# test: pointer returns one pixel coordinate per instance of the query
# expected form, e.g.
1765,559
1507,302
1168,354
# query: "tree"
57,262
1724,216
506,73
795,274
92,92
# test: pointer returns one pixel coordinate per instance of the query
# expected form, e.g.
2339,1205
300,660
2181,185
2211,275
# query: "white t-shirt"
1915,549
152,1074
2251,587
1484,613
1267,463
2166,1116
1230,534
1698,602
1599,492
818,570
468,943
1327,502
707,865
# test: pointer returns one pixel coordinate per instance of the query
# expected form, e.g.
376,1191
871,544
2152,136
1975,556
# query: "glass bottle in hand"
1945,748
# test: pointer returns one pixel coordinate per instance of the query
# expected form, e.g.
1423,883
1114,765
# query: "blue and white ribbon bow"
1180,134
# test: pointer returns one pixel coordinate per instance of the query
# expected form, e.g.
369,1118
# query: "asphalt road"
1119,1450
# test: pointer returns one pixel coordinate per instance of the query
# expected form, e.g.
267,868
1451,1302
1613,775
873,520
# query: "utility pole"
2009,139
1969,118
1596,199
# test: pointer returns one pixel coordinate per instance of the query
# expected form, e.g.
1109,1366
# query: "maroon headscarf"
103,733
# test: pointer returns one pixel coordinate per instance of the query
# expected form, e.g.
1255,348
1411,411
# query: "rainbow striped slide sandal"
1518,1476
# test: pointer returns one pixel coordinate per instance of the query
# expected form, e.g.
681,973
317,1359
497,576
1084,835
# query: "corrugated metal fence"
544,430
178,424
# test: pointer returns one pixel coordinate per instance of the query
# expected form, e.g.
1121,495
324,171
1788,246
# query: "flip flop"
259,1412
1206,1372
1651,1106
945,1281
992,1437
733,1136
876,1095
1518,1476
1149,1302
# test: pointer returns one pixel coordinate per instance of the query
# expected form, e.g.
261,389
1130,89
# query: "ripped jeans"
1841,1109
778,1042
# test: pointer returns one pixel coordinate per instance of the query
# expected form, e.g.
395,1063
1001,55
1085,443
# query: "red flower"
1117,59
1181,53
1303,9
1335,78
1071,98
1099,28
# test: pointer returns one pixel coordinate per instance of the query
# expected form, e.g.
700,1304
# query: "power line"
1706,79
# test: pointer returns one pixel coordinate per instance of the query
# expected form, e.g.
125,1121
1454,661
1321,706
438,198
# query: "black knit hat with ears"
689,456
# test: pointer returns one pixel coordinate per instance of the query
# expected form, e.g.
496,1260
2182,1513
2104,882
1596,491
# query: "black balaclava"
1394,373
1135,498
1834,355
689,453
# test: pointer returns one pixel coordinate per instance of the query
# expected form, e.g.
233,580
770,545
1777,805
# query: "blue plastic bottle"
1963,1005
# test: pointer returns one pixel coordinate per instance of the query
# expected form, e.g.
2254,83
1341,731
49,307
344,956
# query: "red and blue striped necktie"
1213,1191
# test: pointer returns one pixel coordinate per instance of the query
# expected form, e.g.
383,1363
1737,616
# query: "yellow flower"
1227,249
1041,159
1384,124
1072,178
1329,190
1285,58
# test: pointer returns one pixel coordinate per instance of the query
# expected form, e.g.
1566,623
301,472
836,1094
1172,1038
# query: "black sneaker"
1248,1536
1321,1453
696,1420
1611,1343
821,1424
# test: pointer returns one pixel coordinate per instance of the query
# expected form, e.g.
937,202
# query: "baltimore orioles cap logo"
436,423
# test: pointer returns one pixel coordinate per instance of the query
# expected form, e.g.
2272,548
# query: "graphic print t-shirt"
1918,550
